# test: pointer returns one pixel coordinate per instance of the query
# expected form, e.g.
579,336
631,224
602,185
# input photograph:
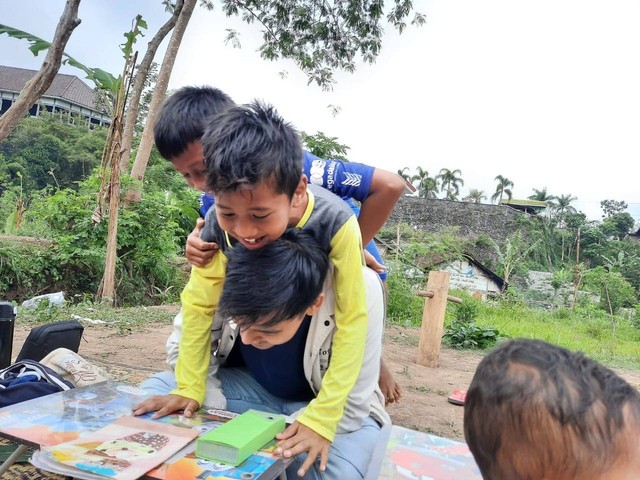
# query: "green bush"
149,237
461,334
467,311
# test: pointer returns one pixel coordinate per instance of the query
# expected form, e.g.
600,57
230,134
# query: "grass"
125,320
588,331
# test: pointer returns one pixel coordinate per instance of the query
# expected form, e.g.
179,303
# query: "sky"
544,93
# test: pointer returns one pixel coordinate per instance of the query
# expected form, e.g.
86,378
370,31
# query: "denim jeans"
350,453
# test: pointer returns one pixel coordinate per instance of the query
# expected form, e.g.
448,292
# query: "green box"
235,441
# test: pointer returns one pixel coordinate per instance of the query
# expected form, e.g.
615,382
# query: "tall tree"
110,168
139,82
405,173
450,183
319,37
146,143
324,147
427,186
503,188
35,87
541,195
562,205
611,207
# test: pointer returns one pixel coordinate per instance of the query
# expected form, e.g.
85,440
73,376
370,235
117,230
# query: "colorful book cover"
125,449
76,413
264,464
411,454
66,416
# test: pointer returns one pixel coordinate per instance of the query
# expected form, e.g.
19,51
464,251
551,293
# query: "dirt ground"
424,407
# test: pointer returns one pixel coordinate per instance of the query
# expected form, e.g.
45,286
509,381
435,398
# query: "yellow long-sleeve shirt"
337,230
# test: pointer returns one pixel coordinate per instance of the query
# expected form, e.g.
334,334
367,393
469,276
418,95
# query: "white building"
68,95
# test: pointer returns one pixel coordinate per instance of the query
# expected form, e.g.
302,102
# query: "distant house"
634,236
468,274
527,206
475,278
68,95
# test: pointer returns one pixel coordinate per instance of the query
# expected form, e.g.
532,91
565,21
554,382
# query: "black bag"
45,339
25,380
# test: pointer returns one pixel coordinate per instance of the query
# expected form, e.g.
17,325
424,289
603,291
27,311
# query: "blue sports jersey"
351,181
346,179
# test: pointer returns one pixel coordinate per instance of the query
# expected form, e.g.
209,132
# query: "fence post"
433,319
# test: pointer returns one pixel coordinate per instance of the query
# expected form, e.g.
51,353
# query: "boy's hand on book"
165,405
298,438
199,253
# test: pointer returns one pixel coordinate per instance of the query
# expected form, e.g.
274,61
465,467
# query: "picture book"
68,415
412,454
125,449
77,413
263,465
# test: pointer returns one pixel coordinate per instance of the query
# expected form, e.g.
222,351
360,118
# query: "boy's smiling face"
259,215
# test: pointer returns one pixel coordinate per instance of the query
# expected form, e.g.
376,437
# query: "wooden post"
433,319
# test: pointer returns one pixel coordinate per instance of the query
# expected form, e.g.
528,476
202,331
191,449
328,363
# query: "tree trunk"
144,150
35,87
108,291
139,83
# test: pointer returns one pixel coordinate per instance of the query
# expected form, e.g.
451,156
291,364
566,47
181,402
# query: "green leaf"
37,44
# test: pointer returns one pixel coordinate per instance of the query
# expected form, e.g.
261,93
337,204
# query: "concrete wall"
472,219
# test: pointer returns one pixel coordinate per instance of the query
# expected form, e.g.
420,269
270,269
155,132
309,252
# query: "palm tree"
475,196
561,206
504,187
450,182
541,195
427,186
406,176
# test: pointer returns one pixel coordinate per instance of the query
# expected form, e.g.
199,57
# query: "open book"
125,449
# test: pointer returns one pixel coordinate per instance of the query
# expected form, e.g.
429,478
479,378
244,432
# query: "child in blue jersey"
178,129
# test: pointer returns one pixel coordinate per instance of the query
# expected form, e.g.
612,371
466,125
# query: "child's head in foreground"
268,292
180,124
536,411
253,161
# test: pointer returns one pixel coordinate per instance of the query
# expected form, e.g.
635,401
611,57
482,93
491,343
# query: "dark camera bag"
44,339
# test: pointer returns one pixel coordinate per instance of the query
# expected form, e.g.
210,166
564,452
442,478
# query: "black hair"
183,117
250,144
275,283
535,410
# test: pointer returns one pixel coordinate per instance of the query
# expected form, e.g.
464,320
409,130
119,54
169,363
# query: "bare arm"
199,253
386,188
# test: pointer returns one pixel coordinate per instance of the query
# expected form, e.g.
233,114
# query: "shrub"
461,334
467,311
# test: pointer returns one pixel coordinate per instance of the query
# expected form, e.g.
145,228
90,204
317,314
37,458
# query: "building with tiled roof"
67,95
